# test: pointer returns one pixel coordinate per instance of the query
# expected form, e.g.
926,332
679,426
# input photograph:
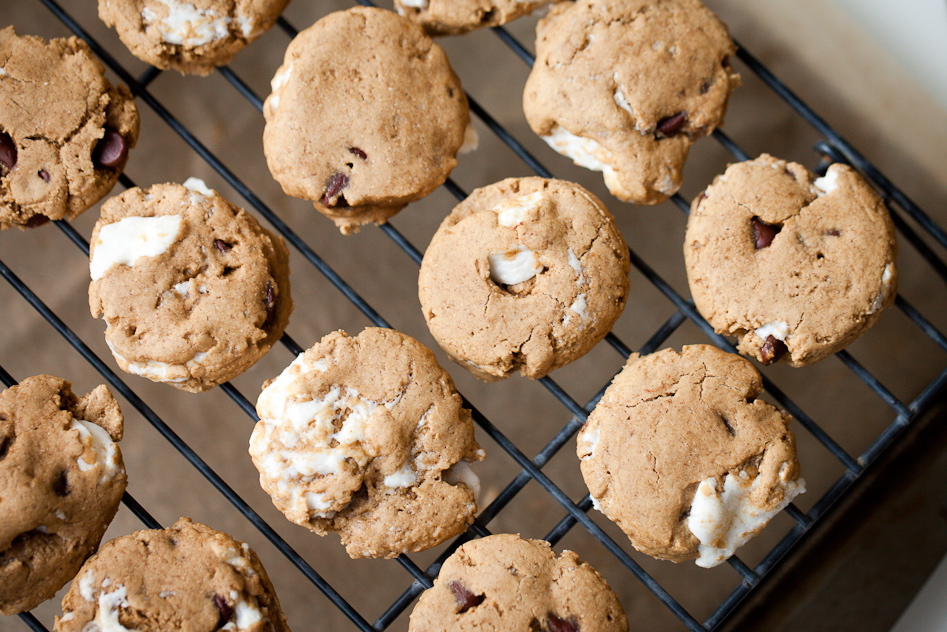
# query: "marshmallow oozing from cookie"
525,274
366,437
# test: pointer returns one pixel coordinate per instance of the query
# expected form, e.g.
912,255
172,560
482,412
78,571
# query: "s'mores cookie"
525,275
626,86
504,582
367,437
190,36
683,456
186,577
192,289
365,116
795,266
453,17
65,131
61,480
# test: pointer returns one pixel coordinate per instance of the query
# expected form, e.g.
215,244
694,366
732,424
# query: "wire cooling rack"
628,571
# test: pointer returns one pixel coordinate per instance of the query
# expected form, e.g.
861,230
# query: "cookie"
453,17
526,274
625,87
367,437
795,266
65,131
365,116
683,456
191,37
61,479
192,289
187,577
503,582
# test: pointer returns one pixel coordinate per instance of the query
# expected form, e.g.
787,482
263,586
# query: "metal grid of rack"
915,228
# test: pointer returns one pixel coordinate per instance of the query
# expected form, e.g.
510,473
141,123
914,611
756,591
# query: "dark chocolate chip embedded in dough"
358,152
42,173
763,233
671,125
772,350
221,245
334,187
7,151
557,624
465,598
111,150
61,484
36,220
226,610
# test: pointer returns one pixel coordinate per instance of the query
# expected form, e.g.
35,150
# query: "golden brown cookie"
526,274
453,17
503,582
61,479
795,266
683,457
365,116
188,577
65,131
190,36
626,86
192,289
366,436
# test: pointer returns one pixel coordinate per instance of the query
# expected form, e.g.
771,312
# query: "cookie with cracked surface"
192,289
186,577
525,274
505,582
627,86
683,456
61,480
795,266
367,437
365,116
65,131
453,17
192,37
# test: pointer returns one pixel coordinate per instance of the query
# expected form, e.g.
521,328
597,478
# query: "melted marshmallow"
280,79
587,442
461,472
199,189
723,520
827,183
512,211
107,614
415,4
187,25
777,329
879,301
584,152
404,477
622,102
514,266
471,140
126,241
104,450
158,371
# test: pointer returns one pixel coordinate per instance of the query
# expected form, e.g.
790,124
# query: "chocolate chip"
5,444
334,187
671,125
726,424
44,175
705,86
111,150
358,152
61,484
834,232
7,151
763,233
465,598
226,610
270,297
221,245
772,350
36,220
555,624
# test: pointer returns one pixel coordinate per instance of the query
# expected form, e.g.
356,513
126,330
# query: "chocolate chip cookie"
367,437
191,37
526,274
795,266
61,479
192,289
187,577
453,17
626,86
365,116
65,131
683,455
503,582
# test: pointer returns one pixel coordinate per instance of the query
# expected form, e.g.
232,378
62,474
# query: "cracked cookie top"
192,289
453,17
65,130
504,582
526,275
683,456
192,37
367,437
795,266
186,577
626,86
365,116
61,479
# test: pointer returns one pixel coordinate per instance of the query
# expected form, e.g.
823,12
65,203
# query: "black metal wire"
531,469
